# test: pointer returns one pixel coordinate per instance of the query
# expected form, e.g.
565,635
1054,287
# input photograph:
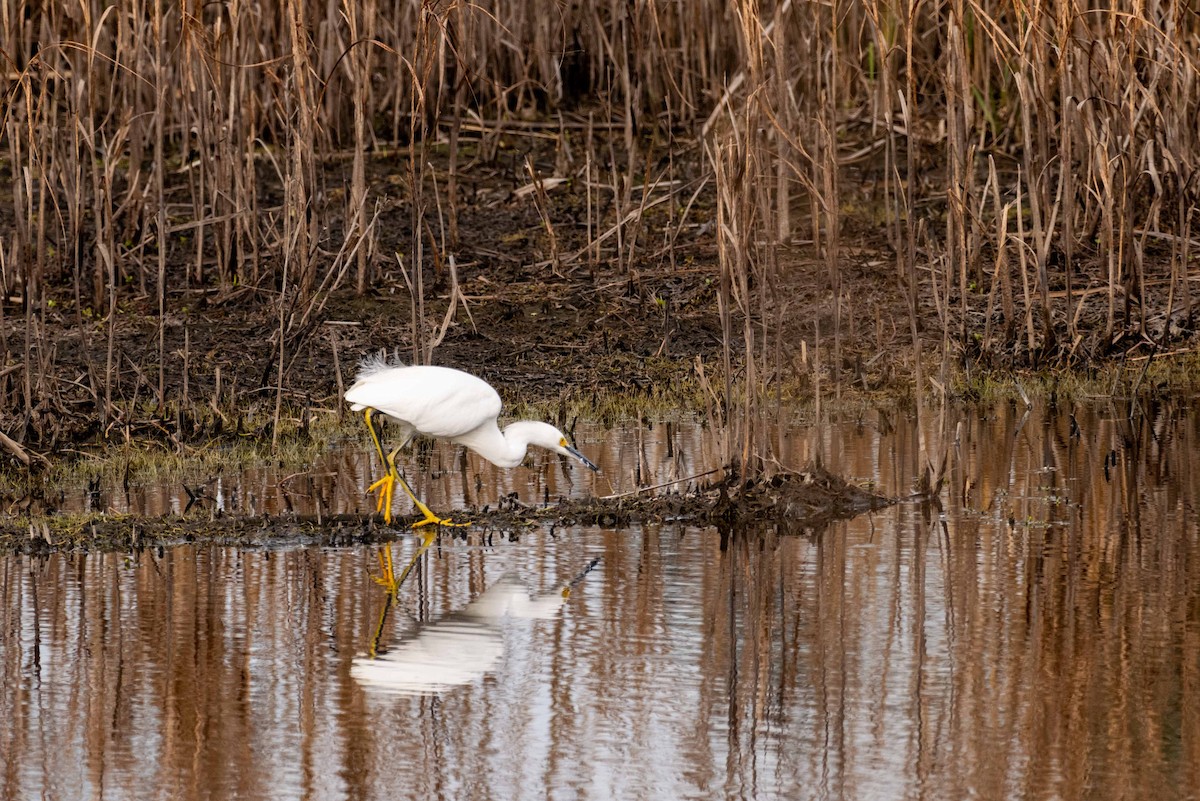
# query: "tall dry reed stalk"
1038,168
1032,168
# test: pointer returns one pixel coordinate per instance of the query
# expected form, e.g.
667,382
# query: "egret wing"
436,401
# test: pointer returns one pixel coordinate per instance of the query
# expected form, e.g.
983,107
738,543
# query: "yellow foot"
386,486
431,519
434,520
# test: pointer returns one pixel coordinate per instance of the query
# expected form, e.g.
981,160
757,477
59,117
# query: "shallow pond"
1038,636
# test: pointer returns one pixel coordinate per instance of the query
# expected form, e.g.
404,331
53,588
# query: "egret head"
566,448
547,436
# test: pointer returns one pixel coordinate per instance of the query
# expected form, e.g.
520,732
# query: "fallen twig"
658,486
16,450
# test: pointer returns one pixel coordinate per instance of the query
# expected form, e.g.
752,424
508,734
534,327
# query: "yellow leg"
387,484
369,417
429,516
373,650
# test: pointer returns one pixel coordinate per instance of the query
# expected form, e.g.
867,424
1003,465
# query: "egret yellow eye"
562,443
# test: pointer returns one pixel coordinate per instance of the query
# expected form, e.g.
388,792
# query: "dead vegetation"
805,502
210,210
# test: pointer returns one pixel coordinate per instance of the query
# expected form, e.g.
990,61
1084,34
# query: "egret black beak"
582,458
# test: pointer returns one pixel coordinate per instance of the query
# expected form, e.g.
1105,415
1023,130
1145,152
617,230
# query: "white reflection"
459,648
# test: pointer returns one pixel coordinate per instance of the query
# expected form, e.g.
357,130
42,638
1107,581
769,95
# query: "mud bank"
796,503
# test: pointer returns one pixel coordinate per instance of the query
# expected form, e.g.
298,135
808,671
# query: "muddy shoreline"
797,503
556,326
556,321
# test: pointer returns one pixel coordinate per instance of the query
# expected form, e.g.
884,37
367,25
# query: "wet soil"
537,313
794,503
542,316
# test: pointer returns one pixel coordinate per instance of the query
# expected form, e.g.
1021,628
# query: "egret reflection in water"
462,646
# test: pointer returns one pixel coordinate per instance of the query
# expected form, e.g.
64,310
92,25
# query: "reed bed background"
962,185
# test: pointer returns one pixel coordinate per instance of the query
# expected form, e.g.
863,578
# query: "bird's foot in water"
386,486
431,519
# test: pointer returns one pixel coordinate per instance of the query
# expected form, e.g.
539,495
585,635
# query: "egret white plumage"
444,403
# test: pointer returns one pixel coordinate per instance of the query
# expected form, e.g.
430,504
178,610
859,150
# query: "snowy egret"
444,403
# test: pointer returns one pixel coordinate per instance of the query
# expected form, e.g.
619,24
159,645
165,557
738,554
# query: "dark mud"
632,324
545,324
793,503
540,314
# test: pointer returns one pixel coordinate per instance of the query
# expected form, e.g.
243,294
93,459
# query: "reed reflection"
1037,636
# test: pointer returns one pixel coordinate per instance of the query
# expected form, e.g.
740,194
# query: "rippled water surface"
1038,636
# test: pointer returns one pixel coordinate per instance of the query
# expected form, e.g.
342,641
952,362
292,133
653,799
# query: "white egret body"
444,403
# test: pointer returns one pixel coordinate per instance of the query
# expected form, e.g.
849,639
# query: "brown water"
1039,638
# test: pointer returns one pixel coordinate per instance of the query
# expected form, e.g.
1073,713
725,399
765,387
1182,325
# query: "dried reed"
1033,170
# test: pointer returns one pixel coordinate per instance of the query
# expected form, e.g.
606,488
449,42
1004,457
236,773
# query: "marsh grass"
1030,169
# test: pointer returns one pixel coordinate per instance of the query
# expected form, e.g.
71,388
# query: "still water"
1038,636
